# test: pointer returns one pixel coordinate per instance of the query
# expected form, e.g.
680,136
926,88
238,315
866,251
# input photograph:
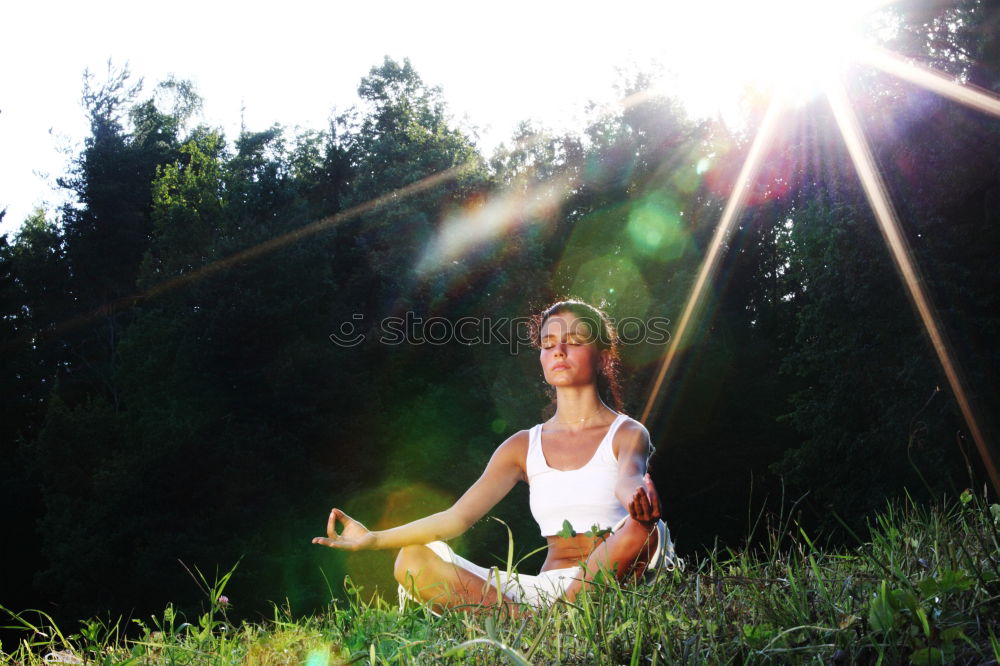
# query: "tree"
33,295
108,230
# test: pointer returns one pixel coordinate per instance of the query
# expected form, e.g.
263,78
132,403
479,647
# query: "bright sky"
295,61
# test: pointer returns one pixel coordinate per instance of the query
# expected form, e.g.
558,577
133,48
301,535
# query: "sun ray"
734,208
878,198
964,93
261,249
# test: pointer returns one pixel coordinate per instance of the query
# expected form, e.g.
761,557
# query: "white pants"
546,587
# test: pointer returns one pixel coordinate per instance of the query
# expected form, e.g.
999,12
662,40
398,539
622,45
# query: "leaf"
953,634
757,635
930,656
597,532
881,616
491,628
567,531
954,581
904,599
966,496
924,622
929,588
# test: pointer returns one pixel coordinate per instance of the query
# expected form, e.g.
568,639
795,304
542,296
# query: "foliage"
922,591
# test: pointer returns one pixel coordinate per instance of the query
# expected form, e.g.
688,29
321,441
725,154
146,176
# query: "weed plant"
923,589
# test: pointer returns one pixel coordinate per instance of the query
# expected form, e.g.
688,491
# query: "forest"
197,364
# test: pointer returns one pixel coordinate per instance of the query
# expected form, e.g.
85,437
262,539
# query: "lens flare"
485,221
709,265
655,228
875,191
318,658
878,198
612,277
964,93
400,503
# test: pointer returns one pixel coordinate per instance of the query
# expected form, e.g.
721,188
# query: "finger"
323,541
640,509
653,495
331,524
638,513
344,519
633,506
642,501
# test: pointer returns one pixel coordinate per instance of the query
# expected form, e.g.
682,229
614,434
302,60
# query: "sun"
794,47
799,48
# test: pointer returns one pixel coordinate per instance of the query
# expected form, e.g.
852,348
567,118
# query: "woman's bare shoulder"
516,443
631,436
630,425
514,450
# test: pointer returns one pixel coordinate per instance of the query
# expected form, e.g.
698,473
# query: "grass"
923,589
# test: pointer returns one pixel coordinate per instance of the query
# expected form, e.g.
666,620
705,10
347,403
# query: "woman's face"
569,353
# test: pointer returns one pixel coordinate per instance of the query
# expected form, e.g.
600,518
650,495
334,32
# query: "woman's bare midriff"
565,552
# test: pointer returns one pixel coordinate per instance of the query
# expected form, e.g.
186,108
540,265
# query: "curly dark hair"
604,335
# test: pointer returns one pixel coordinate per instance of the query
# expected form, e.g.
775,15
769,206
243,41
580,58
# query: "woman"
590,471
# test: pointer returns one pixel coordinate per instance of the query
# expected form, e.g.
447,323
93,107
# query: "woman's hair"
603,334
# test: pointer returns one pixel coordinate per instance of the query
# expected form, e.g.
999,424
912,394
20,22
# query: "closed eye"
549,344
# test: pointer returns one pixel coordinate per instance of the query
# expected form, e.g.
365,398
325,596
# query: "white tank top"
584,496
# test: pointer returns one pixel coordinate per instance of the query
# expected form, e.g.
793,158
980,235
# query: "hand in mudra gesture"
644,506
353,535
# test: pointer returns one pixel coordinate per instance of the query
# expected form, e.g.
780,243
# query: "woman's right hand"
353,536
644,506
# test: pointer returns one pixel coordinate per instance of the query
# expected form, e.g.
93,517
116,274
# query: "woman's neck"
578,408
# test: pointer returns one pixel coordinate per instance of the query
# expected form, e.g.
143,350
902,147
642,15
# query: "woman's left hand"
353,536
644,506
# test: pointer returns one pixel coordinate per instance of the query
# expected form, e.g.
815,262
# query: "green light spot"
646,226
318,658
655,229
602,276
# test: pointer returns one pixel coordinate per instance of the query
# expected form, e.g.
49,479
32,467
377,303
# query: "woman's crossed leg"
441,584
430,578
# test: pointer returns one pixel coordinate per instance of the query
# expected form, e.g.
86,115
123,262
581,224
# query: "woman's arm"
634,489
504,469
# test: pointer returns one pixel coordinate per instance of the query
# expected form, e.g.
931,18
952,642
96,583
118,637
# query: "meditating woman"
585,465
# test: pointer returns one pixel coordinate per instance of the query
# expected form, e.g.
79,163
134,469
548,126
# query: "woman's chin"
567,382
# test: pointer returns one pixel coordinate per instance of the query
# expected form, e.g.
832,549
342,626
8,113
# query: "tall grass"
924,589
